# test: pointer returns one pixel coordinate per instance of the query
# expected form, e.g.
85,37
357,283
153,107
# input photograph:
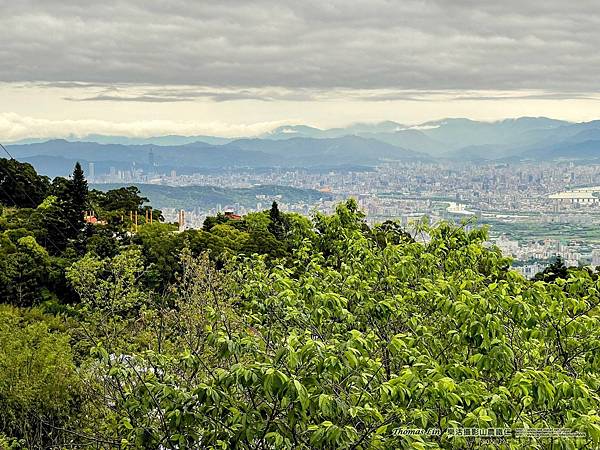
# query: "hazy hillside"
290,131
446,137
308,152
304,146
56,157
197,153
128,140
568,150
207,197
154,140
573,141
410,138
463,132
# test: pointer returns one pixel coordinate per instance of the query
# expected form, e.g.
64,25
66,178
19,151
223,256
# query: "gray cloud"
167,94
533,96
139,98
243,47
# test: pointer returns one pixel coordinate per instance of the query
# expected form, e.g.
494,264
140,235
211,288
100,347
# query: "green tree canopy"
40,391
78,194
123,199
20,185
353,340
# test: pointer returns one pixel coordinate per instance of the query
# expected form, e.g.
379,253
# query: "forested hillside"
207,197
277,331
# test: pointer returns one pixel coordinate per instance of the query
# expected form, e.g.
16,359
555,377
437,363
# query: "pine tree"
277,225
76,199
79,190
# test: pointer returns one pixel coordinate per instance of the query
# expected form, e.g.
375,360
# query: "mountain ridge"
359,144
251,153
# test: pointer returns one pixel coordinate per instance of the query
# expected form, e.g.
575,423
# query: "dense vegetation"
276,331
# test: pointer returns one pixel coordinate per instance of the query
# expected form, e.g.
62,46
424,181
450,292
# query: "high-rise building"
91,171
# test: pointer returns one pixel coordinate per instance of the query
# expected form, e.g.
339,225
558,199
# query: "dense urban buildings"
535,210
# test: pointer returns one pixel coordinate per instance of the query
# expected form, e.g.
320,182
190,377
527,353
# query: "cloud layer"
233,67
14,127
548,45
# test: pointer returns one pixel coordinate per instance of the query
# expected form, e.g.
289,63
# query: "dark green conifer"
277,225
75,199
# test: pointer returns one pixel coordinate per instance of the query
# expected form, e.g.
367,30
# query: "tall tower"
91,171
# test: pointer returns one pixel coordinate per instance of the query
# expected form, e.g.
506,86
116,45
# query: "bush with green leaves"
359,335
40,390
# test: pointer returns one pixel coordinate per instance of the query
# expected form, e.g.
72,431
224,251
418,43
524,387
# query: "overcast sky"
144,67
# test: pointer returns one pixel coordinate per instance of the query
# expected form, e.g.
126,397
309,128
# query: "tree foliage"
20,185
278,331
556,270
77,198
354,340
40,391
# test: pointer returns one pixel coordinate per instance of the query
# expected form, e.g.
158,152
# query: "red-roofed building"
92,219
230,215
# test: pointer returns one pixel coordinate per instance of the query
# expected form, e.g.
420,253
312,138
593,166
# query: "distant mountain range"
127,140
524,138
57,157
438,138
362,144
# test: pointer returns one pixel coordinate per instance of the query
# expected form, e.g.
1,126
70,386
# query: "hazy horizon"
91,128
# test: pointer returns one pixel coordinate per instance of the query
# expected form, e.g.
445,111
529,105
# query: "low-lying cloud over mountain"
15,127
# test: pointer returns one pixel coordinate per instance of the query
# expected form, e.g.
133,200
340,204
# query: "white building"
586,196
